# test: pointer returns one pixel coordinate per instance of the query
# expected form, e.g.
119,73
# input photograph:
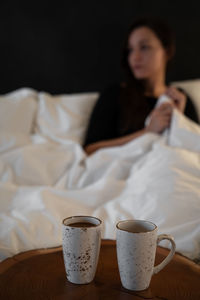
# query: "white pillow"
18,110
65,116
192,88
10,140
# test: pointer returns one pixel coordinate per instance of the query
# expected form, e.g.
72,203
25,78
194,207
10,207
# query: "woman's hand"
179,98
160,118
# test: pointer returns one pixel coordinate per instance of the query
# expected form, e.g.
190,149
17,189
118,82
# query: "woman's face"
147,58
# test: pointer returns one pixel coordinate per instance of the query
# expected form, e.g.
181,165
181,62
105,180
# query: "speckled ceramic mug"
136,249
81,246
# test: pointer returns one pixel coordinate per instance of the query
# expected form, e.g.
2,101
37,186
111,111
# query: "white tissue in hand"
162,99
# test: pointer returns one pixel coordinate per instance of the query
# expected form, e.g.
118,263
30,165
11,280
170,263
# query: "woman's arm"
89,149
160,120
103,123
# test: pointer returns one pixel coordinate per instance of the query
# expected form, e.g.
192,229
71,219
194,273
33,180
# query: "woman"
119,114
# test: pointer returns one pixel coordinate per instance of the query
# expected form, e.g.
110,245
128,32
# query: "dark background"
74,45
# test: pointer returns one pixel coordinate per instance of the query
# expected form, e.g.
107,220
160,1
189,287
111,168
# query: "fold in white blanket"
154,178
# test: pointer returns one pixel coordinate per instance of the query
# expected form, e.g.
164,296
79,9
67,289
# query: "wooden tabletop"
40,274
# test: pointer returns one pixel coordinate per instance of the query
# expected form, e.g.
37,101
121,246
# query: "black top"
104,122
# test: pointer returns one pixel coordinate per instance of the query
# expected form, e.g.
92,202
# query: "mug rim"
139,221
81,216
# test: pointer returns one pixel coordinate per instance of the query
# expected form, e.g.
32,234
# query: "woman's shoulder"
123,85
113,87
111,92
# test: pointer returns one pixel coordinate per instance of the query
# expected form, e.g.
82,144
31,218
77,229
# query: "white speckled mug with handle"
81,246
136,249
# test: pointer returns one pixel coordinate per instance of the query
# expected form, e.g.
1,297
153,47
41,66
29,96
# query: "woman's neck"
155,88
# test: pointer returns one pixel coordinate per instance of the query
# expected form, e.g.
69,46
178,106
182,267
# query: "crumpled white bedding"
154,177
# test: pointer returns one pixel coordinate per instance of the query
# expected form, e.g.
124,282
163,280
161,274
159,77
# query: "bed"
45,175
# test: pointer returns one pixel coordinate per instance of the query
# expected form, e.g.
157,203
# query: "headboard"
74,46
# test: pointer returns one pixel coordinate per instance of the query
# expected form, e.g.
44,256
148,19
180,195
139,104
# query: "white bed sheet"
154,177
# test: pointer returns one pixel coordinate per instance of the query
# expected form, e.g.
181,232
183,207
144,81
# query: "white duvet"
44,179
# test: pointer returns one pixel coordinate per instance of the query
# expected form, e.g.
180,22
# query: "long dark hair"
132,96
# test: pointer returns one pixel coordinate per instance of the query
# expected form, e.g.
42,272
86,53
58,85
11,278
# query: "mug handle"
161,237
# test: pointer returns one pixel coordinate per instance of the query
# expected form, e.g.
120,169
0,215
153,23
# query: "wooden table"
40,274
